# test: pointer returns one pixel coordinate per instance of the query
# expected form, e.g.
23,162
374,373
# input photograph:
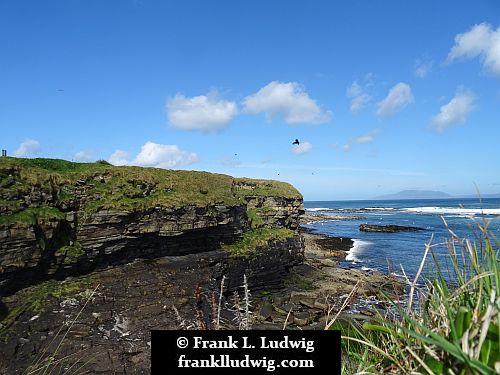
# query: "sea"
401,253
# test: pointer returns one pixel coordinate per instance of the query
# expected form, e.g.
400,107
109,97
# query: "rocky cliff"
144,240
60,218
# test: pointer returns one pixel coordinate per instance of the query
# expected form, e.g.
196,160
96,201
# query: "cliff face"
77,243
144,247
111,335
60,219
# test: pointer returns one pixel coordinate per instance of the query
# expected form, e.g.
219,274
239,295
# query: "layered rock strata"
113,252
49,231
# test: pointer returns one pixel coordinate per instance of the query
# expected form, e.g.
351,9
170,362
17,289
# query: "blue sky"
383,95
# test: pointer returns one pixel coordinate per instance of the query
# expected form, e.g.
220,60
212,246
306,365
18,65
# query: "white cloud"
288,100
358,97
27,148
362,140
204,112
423,67
119,157
163,156
480,41
399,97
155,155
84,156
302,148
455,111
367,138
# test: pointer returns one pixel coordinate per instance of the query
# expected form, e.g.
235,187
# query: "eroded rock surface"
109,316
93,259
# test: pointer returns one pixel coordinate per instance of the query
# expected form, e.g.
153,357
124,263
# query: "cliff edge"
147,245
60,218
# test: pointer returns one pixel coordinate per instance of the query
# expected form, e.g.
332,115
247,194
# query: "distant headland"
430,194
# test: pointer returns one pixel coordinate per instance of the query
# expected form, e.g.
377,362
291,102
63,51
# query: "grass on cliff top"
124,188
256,238
30,216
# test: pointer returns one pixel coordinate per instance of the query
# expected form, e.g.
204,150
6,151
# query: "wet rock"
388,228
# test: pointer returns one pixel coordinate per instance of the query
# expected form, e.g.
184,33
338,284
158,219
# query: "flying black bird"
296,142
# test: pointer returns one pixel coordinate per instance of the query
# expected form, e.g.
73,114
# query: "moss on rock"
35,298
256,238
71,253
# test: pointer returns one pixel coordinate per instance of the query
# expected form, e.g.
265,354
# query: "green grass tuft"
71,253
254,239
31,216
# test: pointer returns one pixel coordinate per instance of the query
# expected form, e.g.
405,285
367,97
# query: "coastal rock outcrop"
113,252
61,219
388,228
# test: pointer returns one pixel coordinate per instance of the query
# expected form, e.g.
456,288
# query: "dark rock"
308,302
135,298
301,318
387,228
266,310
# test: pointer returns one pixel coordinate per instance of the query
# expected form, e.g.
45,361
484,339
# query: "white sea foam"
356,250
321,222
379,209
320,209
454,210
363,268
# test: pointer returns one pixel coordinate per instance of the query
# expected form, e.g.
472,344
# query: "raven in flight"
296,142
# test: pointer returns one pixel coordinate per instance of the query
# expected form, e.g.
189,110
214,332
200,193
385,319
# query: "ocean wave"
356,250
454,210
378,209
351,210
321,209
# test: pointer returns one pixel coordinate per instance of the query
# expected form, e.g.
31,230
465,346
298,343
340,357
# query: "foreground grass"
441,329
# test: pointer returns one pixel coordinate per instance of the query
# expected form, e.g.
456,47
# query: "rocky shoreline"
316,289
110,312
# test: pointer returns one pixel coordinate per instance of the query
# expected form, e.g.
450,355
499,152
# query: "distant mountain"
416,194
